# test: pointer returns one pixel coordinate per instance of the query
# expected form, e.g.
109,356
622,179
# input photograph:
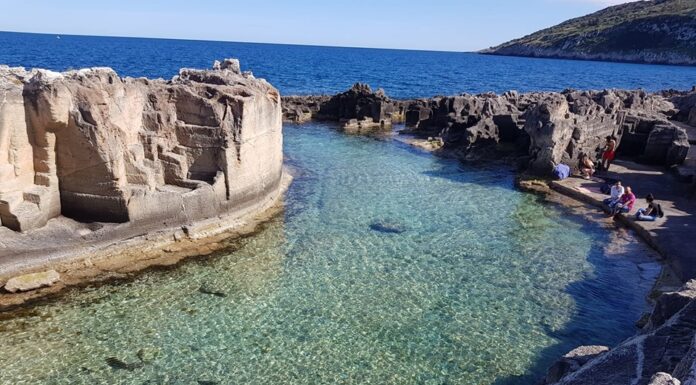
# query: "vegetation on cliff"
653,31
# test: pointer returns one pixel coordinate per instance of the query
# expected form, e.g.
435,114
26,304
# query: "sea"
302,70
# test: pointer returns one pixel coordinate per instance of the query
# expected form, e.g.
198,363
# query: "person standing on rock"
609,153
625,204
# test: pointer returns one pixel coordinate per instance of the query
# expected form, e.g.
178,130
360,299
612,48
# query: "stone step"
45,179
24,216
10,200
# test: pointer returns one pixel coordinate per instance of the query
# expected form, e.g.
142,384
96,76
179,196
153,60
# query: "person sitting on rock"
587,167
609,153
625,203
617,190
652,212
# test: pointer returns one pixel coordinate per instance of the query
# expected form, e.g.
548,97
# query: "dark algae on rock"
655,31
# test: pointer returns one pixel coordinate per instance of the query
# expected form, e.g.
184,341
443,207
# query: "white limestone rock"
90,145
32,281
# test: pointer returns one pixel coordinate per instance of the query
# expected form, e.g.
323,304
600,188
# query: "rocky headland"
92,162
654,31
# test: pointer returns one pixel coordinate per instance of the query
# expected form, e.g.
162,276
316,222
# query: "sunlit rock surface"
90,145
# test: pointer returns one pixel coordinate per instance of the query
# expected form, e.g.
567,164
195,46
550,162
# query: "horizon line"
240,42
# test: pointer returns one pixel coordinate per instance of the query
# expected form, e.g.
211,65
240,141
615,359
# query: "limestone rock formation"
555,127
32,281
466,120
546,128
571,362
301,109
686,106
358,109
664,352
93,146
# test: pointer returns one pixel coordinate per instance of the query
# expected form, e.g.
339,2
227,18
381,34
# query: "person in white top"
617,190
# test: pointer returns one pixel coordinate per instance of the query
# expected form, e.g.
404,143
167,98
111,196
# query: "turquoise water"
481,284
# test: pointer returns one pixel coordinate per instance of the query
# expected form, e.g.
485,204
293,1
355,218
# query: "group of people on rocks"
587,166
622,200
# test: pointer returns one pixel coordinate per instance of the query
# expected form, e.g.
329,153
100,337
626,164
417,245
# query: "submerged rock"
32,281
211,290
119,364
387,227
148,354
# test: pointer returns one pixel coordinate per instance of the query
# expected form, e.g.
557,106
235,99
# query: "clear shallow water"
485,286
313,70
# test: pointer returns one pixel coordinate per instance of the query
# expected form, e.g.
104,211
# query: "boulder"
32,281
663,379
666,145
571,362
685,103
669,304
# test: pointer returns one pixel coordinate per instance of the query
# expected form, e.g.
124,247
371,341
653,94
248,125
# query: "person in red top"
625,204
609,153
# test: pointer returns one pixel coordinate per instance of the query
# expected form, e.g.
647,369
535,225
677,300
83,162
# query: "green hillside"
656,31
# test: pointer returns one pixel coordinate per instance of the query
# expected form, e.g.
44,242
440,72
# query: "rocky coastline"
99,166
544,128
538,131
107,176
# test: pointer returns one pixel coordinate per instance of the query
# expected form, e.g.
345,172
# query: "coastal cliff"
655,31
92,146
102,176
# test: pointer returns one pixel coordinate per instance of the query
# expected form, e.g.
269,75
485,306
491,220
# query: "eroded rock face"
359,109
91,145
664,352
555,127
571,362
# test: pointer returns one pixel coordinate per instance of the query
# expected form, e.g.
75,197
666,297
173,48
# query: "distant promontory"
653,31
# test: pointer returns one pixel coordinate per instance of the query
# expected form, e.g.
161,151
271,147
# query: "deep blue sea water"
312,70
484,285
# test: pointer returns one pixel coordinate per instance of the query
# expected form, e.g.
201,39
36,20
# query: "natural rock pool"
389,266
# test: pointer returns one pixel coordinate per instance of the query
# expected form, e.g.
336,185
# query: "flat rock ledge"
32,281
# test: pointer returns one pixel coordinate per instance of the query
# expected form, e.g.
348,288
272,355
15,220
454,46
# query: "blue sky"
452,25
